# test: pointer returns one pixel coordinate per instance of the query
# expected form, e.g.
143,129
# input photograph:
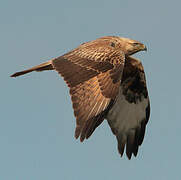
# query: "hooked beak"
144,48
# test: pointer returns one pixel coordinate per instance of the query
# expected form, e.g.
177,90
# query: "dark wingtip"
77,132
82,139
129,156
135,151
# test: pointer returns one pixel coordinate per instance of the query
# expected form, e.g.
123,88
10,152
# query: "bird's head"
130,46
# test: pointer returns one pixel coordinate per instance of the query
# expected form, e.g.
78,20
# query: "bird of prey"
105,82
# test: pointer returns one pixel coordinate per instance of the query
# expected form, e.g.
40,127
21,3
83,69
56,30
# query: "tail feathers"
41,67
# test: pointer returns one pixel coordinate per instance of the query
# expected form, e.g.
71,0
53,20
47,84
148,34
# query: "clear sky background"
36,117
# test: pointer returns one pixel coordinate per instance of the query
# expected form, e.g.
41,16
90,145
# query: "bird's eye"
135,44
112,44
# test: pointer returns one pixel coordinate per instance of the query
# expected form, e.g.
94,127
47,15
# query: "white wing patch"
125,119
124,115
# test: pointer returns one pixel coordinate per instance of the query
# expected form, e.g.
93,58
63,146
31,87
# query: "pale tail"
41,67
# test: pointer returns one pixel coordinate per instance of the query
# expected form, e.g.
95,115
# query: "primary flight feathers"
105,82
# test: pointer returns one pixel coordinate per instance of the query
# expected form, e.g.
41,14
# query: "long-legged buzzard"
105,82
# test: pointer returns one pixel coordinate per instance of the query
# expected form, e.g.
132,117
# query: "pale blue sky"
37,122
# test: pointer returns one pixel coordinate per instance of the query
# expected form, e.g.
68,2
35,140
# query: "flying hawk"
105,82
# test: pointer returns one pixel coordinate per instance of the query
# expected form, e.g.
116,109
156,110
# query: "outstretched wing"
130,113
93,72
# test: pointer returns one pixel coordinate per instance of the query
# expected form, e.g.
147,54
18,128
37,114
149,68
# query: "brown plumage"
105,83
